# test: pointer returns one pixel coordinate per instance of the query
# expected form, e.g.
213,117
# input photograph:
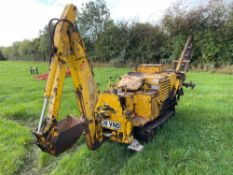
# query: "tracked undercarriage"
130,109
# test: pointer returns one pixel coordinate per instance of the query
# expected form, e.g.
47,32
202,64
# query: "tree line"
134,42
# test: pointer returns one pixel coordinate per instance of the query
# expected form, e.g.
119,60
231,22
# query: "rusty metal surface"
147,131
150,68
61,136
139,121
69,131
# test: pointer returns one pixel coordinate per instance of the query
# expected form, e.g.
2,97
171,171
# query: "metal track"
146,132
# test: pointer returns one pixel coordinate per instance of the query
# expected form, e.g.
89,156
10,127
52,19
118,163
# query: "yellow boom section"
68,52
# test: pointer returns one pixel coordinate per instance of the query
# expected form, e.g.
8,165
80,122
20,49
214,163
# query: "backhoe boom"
68,52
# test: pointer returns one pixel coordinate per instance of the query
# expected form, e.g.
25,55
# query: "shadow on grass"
167,148
108,159
187,143
23,117
184,143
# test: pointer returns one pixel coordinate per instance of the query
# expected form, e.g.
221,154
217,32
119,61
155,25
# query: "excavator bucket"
70,130
61,136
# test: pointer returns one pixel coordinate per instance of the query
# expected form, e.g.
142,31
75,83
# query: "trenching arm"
55,136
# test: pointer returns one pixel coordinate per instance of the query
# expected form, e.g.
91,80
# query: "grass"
13,148
198,140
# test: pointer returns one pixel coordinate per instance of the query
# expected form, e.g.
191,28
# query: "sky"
23,19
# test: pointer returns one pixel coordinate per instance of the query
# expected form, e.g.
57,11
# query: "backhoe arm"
68,52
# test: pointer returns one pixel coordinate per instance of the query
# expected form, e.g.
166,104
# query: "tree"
112,43
44,43
92,19
2,56
207,24
135,42
145,43
227,49
6,52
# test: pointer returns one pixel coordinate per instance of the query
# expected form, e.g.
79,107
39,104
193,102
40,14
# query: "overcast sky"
22,19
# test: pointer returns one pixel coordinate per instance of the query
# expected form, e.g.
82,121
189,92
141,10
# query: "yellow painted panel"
150,68
143,105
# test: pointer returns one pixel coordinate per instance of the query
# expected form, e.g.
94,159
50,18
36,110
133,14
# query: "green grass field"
198,140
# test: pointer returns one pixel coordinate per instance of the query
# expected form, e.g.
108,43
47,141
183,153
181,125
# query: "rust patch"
62,135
